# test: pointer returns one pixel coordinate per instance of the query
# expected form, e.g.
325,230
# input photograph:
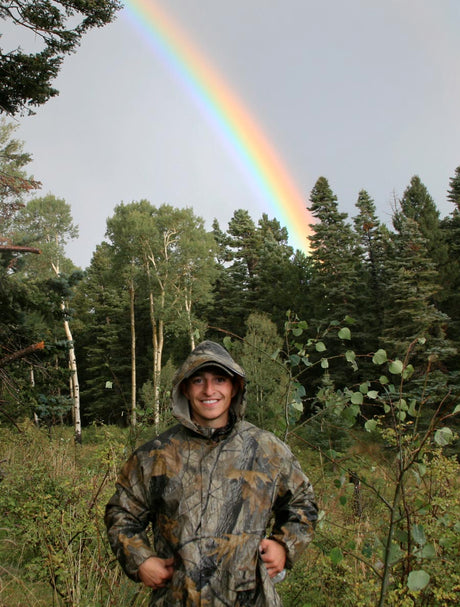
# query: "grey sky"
364,92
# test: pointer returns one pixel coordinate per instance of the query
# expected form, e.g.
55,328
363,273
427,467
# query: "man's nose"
207,386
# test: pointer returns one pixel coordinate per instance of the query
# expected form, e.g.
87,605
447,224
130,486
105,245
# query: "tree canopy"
26,78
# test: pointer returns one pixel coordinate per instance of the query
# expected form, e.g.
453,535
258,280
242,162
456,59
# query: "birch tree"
47,223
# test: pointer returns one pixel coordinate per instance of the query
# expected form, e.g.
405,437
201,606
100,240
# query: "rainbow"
233,122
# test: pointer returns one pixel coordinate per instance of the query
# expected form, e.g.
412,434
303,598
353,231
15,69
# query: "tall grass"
54,552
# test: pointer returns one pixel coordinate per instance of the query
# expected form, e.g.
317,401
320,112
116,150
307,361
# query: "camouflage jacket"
211,496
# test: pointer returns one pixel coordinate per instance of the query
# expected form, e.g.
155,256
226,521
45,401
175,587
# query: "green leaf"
357,398
421,469
427,552
372,394
367,551
418,534
379,357
297,406
274,356
344,333
294,359
364,387
320,347
417,580
343,500
297,331
456,410
350,356
299,391
383,379
395,554
370,425
386,408
443,436
324,363
401,405
412,410
396,367
227,342
408,371
336,555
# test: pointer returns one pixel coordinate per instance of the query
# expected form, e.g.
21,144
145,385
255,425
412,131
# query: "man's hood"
206,354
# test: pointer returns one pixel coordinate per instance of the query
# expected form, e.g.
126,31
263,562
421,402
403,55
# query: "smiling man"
213,488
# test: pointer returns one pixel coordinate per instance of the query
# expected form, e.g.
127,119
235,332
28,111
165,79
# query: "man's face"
210,394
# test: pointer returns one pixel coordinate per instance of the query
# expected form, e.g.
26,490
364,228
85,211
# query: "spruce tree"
450,275
371,248
418,205
333,287
412,319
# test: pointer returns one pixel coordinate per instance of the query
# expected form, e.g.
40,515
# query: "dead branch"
6,360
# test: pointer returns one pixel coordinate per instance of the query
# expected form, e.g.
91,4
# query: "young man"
213,487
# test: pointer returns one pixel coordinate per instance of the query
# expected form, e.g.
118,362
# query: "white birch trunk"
133,419
74,384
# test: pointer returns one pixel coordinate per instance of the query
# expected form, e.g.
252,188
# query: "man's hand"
273,555
155,572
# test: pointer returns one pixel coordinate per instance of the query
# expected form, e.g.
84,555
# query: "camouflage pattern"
211,497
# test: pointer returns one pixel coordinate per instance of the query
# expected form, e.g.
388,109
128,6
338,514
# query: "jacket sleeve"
127,517
295,510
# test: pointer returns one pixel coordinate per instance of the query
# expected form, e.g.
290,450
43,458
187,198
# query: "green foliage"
52,541
401,548
267,381
26,78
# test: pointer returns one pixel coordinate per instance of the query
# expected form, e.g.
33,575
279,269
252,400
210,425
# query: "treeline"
113,334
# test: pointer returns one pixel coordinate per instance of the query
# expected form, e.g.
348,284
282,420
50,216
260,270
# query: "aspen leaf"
417,580
379,357
396,367
344,333
418,534
443,436
370,425
357,398
336,555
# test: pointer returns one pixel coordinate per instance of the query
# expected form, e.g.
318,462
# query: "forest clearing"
53,548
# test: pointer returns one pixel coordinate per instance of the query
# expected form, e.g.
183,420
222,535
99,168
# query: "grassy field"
53,549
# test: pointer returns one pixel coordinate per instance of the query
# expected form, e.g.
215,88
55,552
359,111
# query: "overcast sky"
363,92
